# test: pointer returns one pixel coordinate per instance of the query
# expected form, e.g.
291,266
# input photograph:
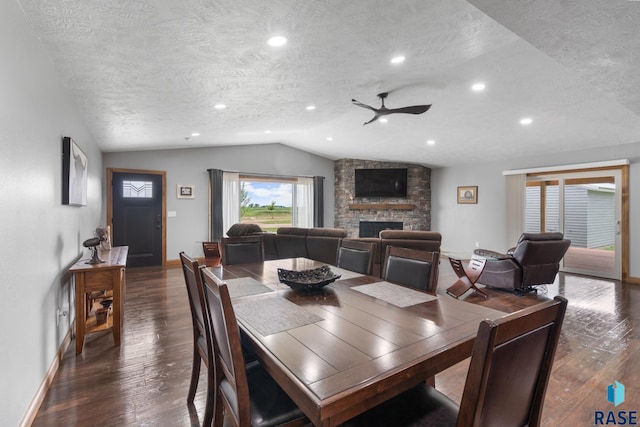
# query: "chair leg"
211,397
195,375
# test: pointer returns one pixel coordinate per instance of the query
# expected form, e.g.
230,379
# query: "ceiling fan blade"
414,109
375,117
360,104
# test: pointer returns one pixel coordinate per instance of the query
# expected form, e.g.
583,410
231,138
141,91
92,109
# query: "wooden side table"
98,277
467,276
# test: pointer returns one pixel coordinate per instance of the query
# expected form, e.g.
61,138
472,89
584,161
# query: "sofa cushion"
298,231
239,230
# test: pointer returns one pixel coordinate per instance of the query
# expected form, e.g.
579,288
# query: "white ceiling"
145,74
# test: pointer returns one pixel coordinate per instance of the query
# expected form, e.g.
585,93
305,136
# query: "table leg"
81,313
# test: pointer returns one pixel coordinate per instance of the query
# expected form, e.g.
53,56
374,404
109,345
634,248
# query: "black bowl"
307,280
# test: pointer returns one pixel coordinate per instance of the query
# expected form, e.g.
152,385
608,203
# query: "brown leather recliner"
535,260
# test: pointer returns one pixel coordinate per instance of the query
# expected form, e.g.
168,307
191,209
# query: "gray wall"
464,225
39,237
189,227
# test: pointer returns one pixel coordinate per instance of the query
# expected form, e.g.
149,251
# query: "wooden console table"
106,276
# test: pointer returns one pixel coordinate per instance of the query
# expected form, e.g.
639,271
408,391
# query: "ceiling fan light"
478,87
277,41
430,142
383,120
398,59
526,121
310,107
219,106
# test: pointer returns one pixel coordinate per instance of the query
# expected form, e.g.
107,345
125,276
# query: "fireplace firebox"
373,228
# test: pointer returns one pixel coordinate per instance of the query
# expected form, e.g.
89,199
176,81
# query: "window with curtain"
269,201
274,202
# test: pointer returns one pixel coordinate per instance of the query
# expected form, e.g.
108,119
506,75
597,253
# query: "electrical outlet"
60,313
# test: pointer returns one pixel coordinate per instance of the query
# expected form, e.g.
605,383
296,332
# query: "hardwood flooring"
145,381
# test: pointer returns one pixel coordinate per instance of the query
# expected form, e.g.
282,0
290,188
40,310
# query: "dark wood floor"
144,382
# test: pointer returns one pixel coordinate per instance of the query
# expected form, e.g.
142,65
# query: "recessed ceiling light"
277,41
310,107
398,59
430,142
267,131
383,120
219,106
526,121
478,87
195,134
329,138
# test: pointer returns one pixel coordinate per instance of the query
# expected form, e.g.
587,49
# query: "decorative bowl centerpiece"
307,280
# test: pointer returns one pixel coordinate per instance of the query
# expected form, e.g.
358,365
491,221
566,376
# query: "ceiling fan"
383,111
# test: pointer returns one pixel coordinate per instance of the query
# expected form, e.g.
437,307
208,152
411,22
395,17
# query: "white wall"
39,237
464,225
188,228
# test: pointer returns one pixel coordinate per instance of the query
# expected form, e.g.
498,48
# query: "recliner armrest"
491,254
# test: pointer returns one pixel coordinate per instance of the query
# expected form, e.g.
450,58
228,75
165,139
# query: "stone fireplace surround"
414,211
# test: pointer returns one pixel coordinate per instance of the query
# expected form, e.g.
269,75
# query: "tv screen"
381,182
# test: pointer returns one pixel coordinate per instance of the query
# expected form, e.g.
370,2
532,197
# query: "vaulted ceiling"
146,74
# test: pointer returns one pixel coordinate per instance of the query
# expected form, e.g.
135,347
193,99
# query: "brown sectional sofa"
322,244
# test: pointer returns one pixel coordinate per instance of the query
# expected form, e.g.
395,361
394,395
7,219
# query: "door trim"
110,172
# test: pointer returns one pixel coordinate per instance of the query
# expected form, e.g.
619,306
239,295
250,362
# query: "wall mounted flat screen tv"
381,182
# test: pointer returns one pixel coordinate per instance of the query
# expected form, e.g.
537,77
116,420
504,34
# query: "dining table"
344,348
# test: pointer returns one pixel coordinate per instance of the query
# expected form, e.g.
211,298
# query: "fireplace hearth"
373,228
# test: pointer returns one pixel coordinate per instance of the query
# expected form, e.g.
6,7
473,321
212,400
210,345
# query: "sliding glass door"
586,208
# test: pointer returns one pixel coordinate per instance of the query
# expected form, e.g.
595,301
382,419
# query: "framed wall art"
468,194
185,191
75,173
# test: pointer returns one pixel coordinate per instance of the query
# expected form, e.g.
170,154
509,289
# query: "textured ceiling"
145,74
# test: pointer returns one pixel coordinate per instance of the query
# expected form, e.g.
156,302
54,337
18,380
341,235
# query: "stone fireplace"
412,212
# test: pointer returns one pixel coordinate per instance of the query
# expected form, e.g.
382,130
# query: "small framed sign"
186,191
468,194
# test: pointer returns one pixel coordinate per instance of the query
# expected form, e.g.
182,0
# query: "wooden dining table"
353,344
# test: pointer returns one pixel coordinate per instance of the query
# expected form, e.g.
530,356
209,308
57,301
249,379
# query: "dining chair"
242,250
211,249
356,256
506,382
201,347
247,393
411,267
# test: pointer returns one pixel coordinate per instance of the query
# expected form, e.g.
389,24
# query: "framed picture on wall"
75,172
468,194
185,191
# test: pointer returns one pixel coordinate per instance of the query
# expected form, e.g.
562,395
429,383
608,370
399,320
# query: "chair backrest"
210,249
356,256
411,267
242,250
510,367
231,375
196,298
539,255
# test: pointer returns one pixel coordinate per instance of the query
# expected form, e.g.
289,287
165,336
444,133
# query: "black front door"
137,216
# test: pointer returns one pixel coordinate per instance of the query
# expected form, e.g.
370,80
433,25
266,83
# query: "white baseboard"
32,411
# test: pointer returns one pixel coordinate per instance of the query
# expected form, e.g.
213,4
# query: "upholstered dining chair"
411,267
201,348
248,394
506,382
242,250
356,256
